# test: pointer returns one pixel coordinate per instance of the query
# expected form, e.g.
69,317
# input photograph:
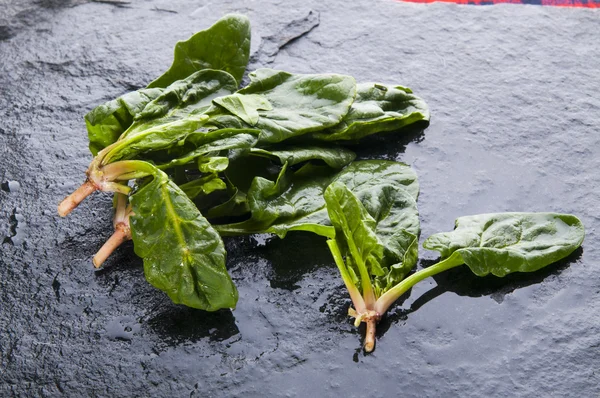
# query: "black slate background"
514,95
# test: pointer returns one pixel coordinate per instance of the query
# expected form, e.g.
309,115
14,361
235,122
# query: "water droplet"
11,186
122,328
18,229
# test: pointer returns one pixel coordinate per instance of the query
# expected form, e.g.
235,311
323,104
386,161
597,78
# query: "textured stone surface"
513,92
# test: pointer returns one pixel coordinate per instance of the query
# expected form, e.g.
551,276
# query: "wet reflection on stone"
178,324
392,144
293,257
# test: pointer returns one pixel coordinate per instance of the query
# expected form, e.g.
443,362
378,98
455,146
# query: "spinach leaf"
172,116
213,164
503,243
334,157
224,46
285,105
354,232
214,142
387,219
108,121
377,108
183,255
498,243
366,250
397,228
299,204
203,186
245,107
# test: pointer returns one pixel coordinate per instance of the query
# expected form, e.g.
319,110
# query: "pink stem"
122,234
370,336
73,200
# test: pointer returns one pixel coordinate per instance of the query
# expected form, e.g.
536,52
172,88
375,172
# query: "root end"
121,234
73,200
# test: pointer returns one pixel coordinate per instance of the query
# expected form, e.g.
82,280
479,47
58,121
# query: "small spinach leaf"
502,243
105,123
203,186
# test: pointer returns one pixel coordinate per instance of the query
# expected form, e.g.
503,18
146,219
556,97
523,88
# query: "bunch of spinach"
192,157
192,146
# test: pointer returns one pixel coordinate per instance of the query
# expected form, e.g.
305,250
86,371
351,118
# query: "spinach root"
122,230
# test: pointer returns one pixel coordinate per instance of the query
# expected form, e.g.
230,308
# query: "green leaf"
397,229
362,175
354,226
301,206
214,164
203,186
502,243
224,46
213,142
334,157
171,117
183,255
105,123
245,107
377,108
300,104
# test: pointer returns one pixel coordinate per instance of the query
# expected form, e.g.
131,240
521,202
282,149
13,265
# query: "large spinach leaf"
183,255
224,46
377,108
284,105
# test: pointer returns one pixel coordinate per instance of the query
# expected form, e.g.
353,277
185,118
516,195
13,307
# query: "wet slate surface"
516,117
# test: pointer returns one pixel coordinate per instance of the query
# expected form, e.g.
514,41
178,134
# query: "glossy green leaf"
214,142
245,107
397,229
377,108
203,186
300,104
224,46
380,241
214,164
301,205
183,255
335,157
502,243
362,175
105,123
170,118
354,227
